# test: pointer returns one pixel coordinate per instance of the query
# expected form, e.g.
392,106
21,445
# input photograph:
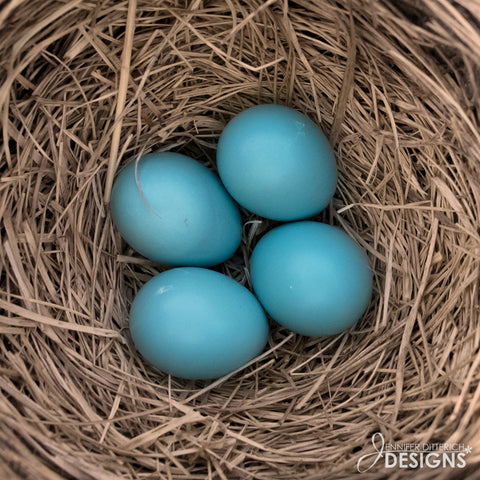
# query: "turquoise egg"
173,210
196,323
311,278
277,163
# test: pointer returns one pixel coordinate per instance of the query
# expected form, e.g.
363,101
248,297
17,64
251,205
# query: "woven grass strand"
395,85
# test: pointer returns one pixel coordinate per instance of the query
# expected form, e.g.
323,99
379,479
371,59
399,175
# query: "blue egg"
173,210
311,278
196,323
277,163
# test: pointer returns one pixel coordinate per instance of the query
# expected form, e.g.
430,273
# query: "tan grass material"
396,87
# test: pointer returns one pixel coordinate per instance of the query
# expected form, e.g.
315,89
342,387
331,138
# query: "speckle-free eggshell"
311,277
196,323
172,209
277,163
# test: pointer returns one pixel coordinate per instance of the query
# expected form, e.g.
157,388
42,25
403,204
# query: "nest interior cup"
394,86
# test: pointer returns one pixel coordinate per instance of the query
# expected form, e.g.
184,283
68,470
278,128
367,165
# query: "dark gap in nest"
204,154
152,13
36,72
3,281
421,173
19,383
429,109
12,147
61,46
356,449
316,36
22,92
453,64
448,158
411,10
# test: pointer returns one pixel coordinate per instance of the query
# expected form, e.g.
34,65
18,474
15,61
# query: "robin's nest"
394,85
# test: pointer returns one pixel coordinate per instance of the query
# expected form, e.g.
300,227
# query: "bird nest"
85,86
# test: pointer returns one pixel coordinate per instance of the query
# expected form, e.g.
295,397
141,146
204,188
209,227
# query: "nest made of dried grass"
395,85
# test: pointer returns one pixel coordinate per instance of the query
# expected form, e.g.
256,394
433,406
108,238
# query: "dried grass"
397,90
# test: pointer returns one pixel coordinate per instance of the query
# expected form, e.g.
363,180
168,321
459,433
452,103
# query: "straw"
394,86
121,97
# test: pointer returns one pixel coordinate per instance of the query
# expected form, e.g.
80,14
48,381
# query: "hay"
397,90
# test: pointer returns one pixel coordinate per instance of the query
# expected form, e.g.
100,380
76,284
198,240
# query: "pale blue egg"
311,277
172,209
277,163
196,323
